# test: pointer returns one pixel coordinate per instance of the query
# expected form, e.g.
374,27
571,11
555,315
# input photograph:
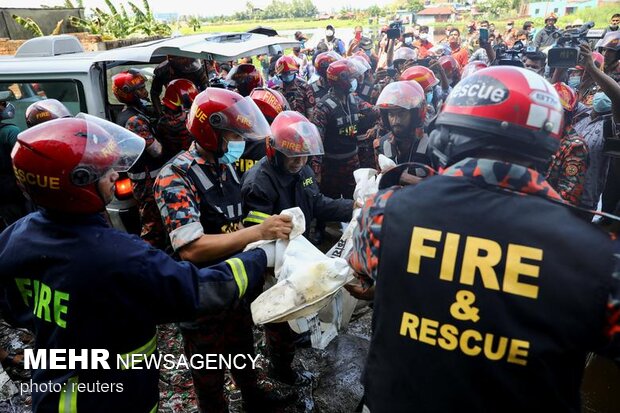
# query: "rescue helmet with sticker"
44,110
323,60
403,95
58,163
215,110
403,55
363,63
341,73
501,109
179,95
568,97
129,86
286,64
451,67
472,67
423,75
244,78
292,135
270,102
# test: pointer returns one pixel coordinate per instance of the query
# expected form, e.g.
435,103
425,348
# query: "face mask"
353,85
8,112
429,98
416,32
329,33
288,78
235,150
424,36
408,40
601,103
574,82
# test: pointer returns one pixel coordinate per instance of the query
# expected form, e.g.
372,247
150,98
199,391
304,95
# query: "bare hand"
586,56
276,227
360,292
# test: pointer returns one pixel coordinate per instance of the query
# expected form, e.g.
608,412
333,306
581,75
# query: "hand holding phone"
484,36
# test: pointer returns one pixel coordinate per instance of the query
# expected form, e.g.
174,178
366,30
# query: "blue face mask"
235,150
601,103
8,112
288,78
429,98
353,85
574,81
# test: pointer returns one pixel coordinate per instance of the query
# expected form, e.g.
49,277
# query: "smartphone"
358,36
484,36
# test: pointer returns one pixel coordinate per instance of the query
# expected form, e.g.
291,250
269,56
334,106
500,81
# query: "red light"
122,188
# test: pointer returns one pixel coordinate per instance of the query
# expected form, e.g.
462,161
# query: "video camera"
395,30
565,53
512,56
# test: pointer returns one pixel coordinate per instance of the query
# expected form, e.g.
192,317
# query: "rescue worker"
177,67
472,67
83,285
403,110
404,57
610,49
339,116
365,150
296,91
549,34
244,78
283,180
451,68
270,102
428,81
199,197
320,87
171,129
482,277
44,110
567,168
129,87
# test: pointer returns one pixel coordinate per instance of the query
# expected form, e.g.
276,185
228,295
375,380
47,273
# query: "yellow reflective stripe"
68,397
146,350
241,277
154,409
254,220
256,216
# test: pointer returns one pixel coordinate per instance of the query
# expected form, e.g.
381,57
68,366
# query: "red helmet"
180,93
423,75
127,86
450,66
403,95
216,109
58,163
472,67
363,64
502,108
184,65
286,64
244,78
568,97
402,54
341,73
44,110
292,134
270,102
364,56
323,60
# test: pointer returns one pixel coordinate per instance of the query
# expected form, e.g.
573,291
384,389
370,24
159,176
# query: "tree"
195,23
494,8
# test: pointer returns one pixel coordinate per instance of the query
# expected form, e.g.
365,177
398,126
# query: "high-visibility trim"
241,277
144,351
68,397
154,409
256,217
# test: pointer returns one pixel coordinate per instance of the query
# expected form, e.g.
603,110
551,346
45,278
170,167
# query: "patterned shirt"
592,132
568,167
299,95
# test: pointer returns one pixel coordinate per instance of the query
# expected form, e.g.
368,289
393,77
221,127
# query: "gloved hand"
270,252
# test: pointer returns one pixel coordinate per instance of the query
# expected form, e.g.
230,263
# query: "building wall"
425,20
559,7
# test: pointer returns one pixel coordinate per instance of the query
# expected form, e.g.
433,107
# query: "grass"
279,24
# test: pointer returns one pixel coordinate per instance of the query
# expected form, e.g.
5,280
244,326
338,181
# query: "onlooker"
535,61
549,34
459,53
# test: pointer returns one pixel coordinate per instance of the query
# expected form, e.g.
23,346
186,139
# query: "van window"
145,69
23,94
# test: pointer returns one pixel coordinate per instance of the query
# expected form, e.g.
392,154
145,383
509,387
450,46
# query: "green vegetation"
283,24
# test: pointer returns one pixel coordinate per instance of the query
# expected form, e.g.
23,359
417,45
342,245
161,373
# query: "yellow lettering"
23,285
43,308
35,296
54,182
417,249
31,178
60,308
473,260
464,342
515,267
448,340
409,324
428,330
448,261
518,352
498,354
42,181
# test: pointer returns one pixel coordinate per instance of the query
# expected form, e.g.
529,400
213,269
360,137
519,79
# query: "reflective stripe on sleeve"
256,217
68,397
140,354
241,277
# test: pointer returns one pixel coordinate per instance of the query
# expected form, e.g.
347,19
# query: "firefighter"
44,110
244,78
365,150
171,129
339,116
320,87
296,91
129,87
199,197
403,110
283,180
83,285
177,67
482,277
426,78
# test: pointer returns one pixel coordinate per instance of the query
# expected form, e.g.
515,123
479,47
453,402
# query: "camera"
512,56
565,53
395,30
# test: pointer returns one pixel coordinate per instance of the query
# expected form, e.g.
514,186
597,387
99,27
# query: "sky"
202,7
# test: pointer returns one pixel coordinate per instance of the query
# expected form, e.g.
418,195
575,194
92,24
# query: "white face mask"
329,33
424,36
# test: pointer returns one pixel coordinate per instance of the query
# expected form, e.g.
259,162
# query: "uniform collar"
97,219
503,175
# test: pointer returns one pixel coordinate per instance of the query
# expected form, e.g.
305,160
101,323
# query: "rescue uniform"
387,146
339,124
84,285
173,134
254,151
194,199
568,166
448,309
12,202
143,175
299,96
319,88
164,73
266,191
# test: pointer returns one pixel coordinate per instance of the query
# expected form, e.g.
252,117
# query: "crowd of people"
473,256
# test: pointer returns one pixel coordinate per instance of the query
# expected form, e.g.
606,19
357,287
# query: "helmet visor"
243,118
108,146
305,140
402,94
